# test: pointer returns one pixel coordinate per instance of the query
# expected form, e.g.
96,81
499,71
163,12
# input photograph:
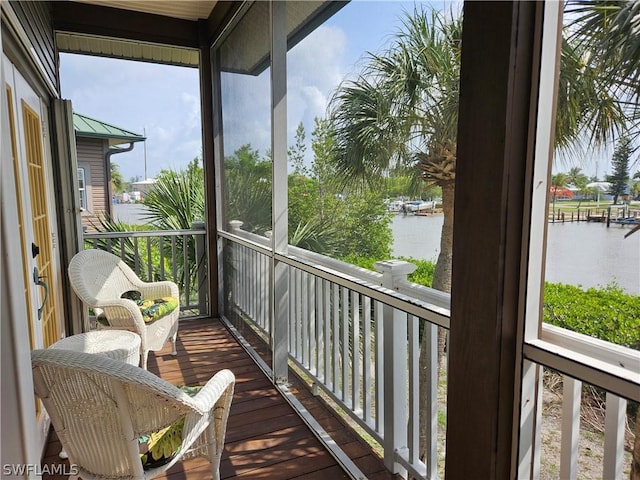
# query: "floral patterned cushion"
162,446
151,310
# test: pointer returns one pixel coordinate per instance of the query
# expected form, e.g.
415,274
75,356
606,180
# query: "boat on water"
627,221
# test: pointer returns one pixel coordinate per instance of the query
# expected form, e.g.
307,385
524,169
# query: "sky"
162,102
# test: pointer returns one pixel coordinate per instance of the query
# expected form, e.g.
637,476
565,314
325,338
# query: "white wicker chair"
99,278
100,406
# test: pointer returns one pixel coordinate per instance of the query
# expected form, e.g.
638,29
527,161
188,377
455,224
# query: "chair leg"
212,451
143,359
174,337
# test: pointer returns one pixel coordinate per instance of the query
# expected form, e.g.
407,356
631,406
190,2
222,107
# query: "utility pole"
144,132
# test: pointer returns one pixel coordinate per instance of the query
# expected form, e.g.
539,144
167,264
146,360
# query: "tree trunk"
442,282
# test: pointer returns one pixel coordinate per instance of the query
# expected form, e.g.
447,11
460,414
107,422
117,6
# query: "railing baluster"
186,271
264,299
201,266
311,321
298,316
327,333
292,310
335,343
379,359
149,261
367,360
356,372
254,284
414,390
345,345
319,326
571,390
136,249
250,282
304,319
431,410
174,264
616,408
161,248
242,272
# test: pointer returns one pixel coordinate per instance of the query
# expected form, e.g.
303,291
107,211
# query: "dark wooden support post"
500,52
206,102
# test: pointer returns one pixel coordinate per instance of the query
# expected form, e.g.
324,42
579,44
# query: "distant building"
561,193
143,186
96,142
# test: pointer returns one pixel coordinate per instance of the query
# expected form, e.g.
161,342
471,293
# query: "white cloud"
137,96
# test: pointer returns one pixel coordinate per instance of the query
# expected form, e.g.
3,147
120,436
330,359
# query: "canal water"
587,254
580,253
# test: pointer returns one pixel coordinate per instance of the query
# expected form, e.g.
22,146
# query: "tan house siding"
91,153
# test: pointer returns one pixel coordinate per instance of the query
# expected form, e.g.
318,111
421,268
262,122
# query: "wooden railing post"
235,264
395,350
201,259
235,225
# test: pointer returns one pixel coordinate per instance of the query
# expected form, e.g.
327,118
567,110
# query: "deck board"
265,437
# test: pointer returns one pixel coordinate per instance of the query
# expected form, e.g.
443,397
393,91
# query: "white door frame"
17,382
22,91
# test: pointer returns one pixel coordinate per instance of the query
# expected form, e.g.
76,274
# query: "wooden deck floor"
265,437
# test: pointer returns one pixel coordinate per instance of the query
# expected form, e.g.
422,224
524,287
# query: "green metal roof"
89,127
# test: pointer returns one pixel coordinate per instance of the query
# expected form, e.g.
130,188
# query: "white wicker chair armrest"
206,398
122,312
152,290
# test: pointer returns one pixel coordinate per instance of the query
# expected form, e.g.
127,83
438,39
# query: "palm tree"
117,182
600,74
612,27
175,202
576,177
403,110
558,182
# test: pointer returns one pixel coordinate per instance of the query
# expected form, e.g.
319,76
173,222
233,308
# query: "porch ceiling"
174,32
127,50
185,9
161,32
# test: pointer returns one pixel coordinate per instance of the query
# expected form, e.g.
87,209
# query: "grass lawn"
569,206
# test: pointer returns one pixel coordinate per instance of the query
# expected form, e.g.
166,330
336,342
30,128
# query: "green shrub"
607,313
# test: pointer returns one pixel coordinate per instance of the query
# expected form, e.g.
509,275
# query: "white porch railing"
355,337
355,334
176,255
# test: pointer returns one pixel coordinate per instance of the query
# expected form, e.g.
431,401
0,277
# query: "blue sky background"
163,101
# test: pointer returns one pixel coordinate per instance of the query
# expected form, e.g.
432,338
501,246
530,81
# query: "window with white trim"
82,188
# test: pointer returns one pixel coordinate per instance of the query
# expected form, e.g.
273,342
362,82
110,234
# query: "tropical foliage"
598,98
403,107
402,111
248,180
619,179
605,313
176,202
117,181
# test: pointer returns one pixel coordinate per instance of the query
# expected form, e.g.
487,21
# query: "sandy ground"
590,445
